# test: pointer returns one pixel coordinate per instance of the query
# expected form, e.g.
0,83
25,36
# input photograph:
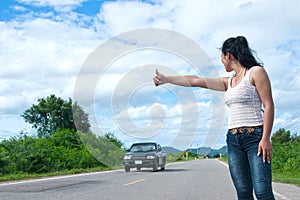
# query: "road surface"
200,179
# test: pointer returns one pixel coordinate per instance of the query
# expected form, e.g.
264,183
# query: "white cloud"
42,52
19,8
121,16
211,23
159,121
64,6
40,57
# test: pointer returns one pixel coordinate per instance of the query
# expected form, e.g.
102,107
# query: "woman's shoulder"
256,73
257,68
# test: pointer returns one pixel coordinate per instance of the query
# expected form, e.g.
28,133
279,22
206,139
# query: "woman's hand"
159,78
265,148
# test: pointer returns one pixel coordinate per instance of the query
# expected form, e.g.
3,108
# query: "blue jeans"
248,171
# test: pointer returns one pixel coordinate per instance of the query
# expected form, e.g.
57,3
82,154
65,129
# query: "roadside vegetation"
286,157
58,146
61,148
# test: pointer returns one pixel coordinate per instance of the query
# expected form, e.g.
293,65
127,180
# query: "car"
145,155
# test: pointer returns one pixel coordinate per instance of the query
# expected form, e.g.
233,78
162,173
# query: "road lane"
199,179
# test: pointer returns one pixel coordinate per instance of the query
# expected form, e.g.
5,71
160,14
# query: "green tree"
53,113
107,151
281,136
113,139
81,119
295,138
286,152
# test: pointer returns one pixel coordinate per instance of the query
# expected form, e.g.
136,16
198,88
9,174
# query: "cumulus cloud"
43,50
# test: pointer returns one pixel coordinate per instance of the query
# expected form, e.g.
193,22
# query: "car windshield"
142,148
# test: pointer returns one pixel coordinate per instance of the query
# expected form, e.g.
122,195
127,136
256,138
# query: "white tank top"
244,104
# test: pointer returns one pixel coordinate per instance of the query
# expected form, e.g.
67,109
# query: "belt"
244,129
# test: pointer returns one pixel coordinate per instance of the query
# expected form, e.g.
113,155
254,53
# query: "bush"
286,152
28,154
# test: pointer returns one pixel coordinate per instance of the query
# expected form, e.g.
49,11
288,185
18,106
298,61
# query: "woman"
248,136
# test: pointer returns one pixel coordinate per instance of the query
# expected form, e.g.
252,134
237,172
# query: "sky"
104,54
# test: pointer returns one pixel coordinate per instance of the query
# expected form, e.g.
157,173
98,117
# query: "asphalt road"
199,179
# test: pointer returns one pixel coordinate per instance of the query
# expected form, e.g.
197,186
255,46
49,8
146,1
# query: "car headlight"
151,157
127,157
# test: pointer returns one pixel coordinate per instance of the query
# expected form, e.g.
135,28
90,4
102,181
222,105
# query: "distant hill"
205,151
215,153
170,150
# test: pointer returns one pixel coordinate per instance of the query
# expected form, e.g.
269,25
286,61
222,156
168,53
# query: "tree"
286,156
53,113
113,139
281,136
81,119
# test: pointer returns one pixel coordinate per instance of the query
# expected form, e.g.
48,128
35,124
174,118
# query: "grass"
287,177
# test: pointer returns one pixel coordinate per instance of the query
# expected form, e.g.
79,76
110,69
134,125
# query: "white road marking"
54,178
280,196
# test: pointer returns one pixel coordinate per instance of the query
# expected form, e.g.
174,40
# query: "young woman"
248,136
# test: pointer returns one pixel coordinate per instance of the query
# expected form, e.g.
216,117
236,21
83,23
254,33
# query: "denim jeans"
247,169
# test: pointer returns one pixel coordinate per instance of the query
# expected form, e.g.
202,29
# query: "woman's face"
225,61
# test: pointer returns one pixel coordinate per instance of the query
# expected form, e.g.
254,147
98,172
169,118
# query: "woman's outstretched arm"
219,84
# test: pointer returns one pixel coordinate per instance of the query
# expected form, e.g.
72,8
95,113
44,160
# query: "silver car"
145,155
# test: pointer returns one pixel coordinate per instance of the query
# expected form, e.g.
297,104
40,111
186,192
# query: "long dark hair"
239,48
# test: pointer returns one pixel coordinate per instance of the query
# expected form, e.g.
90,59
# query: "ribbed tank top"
244,104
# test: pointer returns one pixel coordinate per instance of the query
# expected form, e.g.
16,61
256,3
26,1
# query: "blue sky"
45,43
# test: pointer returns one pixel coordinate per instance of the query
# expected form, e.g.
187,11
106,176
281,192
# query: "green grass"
287,177
223,159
